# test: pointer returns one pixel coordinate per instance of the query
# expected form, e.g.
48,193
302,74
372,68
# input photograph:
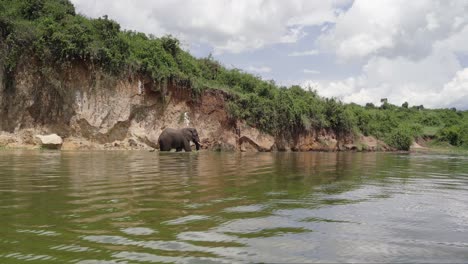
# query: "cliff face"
91,110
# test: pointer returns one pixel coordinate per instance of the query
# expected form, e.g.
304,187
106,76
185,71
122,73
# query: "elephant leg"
164,148
178,149
187,146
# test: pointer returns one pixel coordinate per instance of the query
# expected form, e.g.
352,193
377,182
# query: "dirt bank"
92,110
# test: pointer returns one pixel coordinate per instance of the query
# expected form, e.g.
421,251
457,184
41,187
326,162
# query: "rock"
280,145
146,140
252,139
52,141
223,146
132,142
27,137
72,143
6,139
249,145
350,147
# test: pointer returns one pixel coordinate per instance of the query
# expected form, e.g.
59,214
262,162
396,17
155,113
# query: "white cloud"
333,89
228,26
262,69
456,42
310,71
457,88
303,53
435,81
408,52
394,27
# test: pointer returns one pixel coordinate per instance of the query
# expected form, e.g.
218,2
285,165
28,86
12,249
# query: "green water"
141,207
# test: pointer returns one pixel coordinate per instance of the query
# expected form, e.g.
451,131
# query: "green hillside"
51,32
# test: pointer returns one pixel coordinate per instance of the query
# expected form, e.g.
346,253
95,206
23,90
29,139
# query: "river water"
141,207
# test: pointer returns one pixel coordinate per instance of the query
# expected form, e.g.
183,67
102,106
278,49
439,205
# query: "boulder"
248,145
52,141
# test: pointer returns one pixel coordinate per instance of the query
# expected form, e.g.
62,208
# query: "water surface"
141,207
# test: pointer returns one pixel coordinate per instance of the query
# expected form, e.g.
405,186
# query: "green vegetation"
400,138
55,37
396,124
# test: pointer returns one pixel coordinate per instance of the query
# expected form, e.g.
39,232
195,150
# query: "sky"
356,51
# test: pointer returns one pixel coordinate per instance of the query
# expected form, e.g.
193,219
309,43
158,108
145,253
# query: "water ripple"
133,206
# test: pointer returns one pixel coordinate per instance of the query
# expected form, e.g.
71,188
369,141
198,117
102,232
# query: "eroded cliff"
93,110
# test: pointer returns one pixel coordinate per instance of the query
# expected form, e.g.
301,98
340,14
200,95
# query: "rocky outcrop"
91,110
252,140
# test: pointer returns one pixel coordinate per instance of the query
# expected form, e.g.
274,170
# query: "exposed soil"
91,110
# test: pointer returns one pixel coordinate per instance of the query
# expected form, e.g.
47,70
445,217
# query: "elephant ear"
193,131
187,133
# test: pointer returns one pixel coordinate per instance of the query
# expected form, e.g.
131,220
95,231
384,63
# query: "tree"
370,105
405,105
32,9
170,44
385,104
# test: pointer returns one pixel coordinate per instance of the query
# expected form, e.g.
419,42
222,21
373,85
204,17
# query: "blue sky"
291,63
358,51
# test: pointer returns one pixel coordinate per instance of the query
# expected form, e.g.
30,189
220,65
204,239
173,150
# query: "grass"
435,146
430,131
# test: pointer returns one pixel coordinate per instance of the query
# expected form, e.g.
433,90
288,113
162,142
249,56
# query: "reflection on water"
127,207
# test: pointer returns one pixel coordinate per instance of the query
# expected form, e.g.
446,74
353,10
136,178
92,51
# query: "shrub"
400,139
451,134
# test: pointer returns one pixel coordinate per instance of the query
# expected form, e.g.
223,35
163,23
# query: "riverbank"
106,88
440,148
27,139
93,110
248,142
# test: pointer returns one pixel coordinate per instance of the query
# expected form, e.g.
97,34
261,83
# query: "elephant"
179,139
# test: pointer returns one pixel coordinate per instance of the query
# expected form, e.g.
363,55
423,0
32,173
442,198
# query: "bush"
430,119
400,139
415,130
451,134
